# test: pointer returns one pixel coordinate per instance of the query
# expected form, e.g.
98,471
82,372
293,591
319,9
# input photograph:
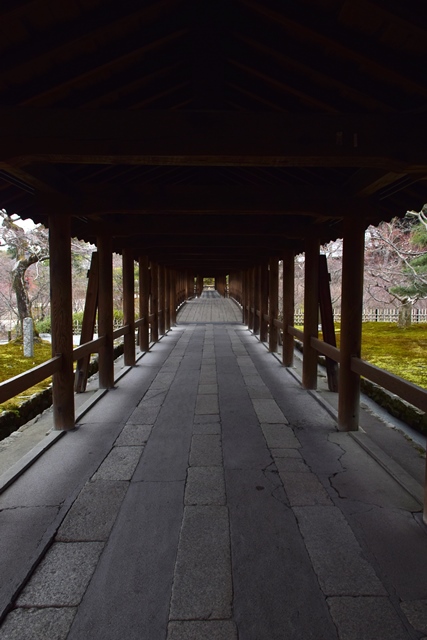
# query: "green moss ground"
400,351
13,362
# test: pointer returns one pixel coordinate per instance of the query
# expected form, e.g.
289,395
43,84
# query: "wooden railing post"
263,301
154,302
351,323
161,276
167,299
311,312
273,290
105,312
173,297
62,319
144,294
288,306
129,306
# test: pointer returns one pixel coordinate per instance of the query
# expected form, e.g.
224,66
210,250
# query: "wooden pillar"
105,312
257,299
251,299
263,301
247,297
288,306
144,295
311,312
173,298
154,302
161,276
62,319
167,299
273,282
351,322
129,306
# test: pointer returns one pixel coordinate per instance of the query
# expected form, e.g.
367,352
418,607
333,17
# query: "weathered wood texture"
88,323
311,313
61,320
288,306
351,324
105,313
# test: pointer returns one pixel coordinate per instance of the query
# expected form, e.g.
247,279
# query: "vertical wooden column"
263,302
311,312
154,301
351,322
161,276
105,312
273,287
62,319
245,296
251,299
144,294
173,299
129,306
288,306
257,298
167,299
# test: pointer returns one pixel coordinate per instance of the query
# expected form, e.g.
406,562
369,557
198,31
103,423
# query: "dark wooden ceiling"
212,134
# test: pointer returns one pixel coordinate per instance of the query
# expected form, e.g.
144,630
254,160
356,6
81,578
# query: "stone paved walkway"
211,498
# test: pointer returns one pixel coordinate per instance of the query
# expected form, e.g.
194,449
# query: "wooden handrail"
406,390
12,387
325,349
87,348
121,331
277,323
139,323
297,333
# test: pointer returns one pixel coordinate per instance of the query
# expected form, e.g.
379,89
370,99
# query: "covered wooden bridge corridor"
208,494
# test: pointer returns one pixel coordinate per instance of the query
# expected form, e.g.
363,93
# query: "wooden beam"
154,307
211,139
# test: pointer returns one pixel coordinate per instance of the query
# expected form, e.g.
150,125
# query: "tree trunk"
20,289
405,313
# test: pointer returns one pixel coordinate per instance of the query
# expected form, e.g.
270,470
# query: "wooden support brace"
88,324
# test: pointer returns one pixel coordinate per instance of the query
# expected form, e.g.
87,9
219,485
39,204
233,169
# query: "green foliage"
43,326
13,362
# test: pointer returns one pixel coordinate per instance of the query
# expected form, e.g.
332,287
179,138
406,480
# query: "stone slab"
291,464
416,613
37,624
133,435
207,427
129,594
154,397
205,389
94,512
259,392
62,576
268,411
144,414
207,405
205,451
280,436
276,592
22,531
285,453
120,464
335,553
304,489
200,630
202,586
367,618
205,486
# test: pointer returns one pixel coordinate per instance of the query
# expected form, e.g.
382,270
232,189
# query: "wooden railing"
415,395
